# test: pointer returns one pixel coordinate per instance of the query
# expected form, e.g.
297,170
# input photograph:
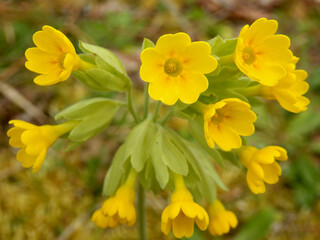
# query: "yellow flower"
225,121
262,166
289,90
261,54
183,212
175,68
220,220
102,220
54,58
34,141
120,208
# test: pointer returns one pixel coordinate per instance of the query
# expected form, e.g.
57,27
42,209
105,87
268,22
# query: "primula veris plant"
214,85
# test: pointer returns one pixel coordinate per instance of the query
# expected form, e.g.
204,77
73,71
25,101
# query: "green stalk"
156,111
141,213
131,107
169,114
146,101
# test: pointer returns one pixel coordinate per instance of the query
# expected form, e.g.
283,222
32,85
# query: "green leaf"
113,177
258,226
93,116
147,43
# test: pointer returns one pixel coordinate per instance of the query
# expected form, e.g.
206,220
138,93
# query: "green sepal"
93,115
109,75
99,79
222,47
196,130
147,43
111,59
138,143
116,173
227,83
209,176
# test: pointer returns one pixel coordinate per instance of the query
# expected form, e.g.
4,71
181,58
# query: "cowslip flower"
102,220
261,54
225,121
220,220
34,141
289,90
175,68
120,208
54,57
262,166
182,212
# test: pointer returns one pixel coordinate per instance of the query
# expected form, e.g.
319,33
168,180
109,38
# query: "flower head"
175,68
102,220
225,121
220,220
183,212
34,141
261,54
262,166
54,58
289,90
120,208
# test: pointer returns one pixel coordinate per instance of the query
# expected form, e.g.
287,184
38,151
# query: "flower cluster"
215,85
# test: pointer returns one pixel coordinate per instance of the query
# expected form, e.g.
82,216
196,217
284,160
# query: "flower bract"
227,120
261,54
54,57
262,166
175,68
34,141
182,213
220,220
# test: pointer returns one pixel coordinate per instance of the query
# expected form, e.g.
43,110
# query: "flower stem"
131,107
141,213
146,101
156,111
164,120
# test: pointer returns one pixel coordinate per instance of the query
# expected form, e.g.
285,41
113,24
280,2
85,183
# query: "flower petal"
197,58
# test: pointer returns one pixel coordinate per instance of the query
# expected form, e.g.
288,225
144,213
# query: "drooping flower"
54,57
175,68
220,220
262,166
120,208
102,220
34,141
261,54
183,212
289,90
226,121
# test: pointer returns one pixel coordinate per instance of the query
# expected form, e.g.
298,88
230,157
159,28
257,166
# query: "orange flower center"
248,55
217,117
172,67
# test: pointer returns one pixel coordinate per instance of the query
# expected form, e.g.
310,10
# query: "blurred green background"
57,202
